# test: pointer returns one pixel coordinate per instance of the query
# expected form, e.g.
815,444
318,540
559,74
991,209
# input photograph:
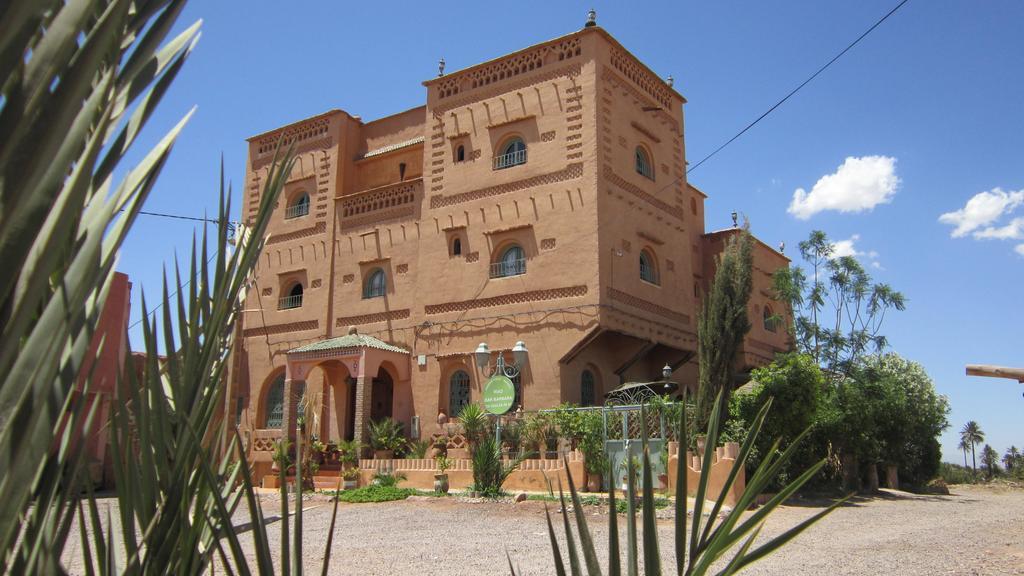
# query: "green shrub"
386,434
419,448
489,472
374,494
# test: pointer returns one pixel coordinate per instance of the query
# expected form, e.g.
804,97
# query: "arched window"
274,417
587,388
771,323
511,263
299,206
376,284
460,154
293,299
648,268
458,392
644,166
456,247
511,154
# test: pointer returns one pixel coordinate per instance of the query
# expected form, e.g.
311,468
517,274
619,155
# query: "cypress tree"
722,325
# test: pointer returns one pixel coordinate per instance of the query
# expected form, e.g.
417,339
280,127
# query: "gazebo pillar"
292,386
363,407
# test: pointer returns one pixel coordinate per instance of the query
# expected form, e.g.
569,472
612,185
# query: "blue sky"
927,108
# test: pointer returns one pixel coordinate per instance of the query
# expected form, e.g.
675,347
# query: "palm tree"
990,459
1011,458
972,434
964,447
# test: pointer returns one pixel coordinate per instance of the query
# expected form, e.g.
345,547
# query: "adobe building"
538,197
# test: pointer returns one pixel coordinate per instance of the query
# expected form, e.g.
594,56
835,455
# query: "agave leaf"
330,533
739,464
736,561
652,559
614,561
559,566
787,536
681,489
632,562
570,543
586,542
710,443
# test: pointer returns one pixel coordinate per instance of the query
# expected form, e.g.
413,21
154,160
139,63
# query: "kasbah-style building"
538,197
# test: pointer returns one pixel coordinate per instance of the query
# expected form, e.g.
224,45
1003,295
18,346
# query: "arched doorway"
383,396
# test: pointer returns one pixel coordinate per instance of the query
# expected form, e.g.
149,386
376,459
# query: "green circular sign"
499,394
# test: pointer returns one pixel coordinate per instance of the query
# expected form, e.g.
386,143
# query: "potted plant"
663,471
440,447
624,469
441,478
533,432
350,478
386,438
348,453
317,449
551,441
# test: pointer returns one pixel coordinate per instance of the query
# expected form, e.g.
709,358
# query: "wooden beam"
996,372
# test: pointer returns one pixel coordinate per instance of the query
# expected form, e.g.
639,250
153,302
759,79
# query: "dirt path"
973,531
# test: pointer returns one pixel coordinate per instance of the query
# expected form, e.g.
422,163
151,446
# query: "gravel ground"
974,531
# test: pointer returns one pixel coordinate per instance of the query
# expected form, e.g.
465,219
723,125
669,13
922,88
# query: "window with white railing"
512,153
511,263
293,299
299,206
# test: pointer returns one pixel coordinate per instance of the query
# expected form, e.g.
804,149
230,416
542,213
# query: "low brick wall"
723,460
530,476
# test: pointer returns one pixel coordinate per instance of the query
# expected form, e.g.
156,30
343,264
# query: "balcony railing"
289,302
508,268
510,159
296,210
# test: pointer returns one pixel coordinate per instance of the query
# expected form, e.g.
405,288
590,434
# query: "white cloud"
1012,231
983,209
858,185
845,247
1019,249
848,248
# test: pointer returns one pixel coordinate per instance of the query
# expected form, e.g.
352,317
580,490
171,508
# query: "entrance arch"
382,397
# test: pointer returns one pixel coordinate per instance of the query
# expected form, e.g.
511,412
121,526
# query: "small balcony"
511,159
289,302
296,210
508,268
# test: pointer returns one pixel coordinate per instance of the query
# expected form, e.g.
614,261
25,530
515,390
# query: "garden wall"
723,460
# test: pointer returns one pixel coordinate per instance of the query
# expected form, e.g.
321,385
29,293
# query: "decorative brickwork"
371,318
267,291
630,68
315,283
377,217
547,244
570,172
670,265
318,228
647,306
402,269
622,183
379,204
507,68
666,118
297,135
348,278
483,94
472,257
506,299
282,328
547,136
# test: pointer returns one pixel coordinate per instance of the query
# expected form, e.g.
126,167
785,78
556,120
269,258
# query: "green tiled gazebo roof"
349,341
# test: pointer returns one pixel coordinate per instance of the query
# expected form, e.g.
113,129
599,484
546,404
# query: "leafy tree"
839,311
990,459
722,325
1012,459
964,447
973,435
797,389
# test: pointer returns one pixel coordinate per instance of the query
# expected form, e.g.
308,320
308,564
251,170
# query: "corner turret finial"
440,67
591,18
670,80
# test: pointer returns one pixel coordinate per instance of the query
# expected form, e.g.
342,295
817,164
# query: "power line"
794,91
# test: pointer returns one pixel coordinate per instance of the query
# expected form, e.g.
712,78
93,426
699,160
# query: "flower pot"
349,484
383,454
441,483
663,481
593,482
